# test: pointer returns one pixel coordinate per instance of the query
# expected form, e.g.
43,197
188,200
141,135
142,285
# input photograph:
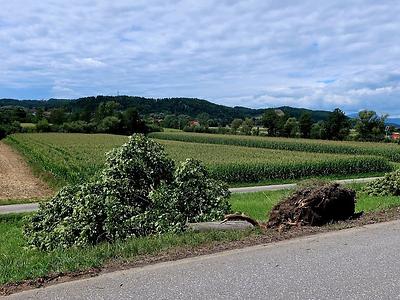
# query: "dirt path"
16,178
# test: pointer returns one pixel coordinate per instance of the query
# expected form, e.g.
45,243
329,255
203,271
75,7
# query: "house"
396,136
194,123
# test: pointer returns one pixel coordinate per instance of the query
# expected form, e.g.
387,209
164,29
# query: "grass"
20,201
19,263
73,158
28,125
257,205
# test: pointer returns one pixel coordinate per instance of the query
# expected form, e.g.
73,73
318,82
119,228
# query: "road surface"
359,263
279,187
18,208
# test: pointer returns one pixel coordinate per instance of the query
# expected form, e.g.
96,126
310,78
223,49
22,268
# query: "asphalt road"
278,187
360,263
18,208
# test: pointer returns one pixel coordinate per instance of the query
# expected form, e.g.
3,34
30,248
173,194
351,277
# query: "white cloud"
311,53
89,62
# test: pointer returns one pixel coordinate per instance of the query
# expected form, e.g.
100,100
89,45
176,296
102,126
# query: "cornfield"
73,158
389,151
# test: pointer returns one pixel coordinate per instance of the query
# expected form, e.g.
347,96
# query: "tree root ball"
314,206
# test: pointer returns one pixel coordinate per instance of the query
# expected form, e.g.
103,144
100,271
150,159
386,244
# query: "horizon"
254,54
351,114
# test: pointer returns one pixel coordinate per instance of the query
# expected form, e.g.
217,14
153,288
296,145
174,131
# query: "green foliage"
110,124
247,126
272,121
291,128
203,119
305,124
389,185
236,123
43,126
369,126
318,130
138,194
9,128
78,126
337,125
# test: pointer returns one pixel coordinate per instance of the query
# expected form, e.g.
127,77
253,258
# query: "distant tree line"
127,115
107,118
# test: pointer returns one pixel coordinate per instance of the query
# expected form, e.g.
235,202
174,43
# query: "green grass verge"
19,263
258,205
20,201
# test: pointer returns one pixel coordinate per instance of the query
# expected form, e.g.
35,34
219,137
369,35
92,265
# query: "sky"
254,53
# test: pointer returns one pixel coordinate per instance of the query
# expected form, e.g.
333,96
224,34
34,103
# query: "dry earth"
16,178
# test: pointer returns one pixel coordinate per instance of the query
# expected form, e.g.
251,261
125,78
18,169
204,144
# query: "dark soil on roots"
314,206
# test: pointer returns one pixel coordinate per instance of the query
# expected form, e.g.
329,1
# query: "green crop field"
73,158
389,151
236,164
68,158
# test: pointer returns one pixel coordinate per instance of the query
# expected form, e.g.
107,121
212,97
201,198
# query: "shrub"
43,126
138,193
389,185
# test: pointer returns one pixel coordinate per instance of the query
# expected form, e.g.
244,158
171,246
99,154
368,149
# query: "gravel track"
16,178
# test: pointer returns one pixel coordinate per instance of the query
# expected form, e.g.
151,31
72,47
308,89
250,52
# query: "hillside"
145,106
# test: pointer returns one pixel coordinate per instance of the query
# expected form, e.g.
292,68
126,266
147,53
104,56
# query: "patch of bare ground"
266,236
16,178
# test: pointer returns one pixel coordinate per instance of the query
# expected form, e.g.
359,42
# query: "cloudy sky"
256,53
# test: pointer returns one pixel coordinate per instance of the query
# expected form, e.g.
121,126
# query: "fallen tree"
140,192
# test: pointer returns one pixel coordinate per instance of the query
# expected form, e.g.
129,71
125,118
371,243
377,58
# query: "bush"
389,185
139,193
6,129
43,126
3,132
78,126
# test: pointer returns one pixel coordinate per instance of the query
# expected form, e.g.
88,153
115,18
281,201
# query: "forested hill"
177,106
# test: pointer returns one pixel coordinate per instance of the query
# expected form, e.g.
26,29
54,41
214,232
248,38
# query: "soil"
314,206
266,236
16,178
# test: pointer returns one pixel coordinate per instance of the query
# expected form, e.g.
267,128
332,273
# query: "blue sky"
255,53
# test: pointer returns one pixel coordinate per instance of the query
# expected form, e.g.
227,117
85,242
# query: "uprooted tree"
139,192
314,206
